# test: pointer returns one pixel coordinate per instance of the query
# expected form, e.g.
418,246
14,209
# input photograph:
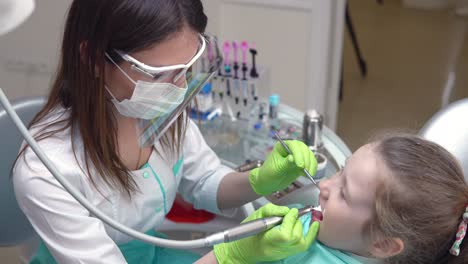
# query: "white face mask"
150,100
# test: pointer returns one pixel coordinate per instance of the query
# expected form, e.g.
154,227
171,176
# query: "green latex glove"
275,244
281,169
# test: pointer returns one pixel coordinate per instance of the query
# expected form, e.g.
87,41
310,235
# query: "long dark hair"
423,201
92,28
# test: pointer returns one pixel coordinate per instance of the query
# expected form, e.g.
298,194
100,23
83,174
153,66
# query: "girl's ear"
388,247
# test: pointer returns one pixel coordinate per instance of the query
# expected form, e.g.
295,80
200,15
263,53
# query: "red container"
183,212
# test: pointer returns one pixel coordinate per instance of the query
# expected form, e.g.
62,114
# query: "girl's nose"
324,188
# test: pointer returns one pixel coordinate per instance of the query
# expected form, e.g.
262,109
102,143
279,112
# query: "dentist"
114,125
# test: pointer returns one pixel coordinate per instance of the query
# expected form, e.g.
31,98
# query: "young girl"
401,199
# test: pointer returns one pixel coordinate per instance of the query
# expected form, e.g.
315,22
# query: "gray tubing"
167,243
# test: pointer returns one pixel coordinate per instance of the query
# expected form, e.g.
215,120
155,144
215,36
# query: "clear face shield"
162,94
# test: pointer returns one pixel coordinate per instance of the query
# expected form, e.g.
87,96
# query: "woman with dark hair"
114,126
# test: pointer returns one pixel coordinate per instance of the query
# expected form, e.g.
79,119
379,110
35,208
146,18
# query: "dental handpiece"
306,172
259,225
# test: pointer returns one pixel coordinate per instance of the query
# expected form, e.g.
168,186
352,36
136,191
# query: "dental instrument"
290,153
253,73
245,94
263,224
227,67
273,102
235,48
253,70
245,48
262,112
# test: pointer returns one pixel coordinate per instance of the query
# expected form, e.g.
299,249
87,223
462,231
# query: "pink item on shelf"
226,51
235,47
245,50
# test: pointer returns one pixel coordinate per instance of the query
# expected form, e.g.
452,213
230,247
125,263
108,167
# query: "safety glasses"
167,74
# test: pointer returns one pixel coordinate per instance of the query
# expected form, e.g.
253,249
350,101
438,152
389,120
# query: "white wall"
281,43
28,55
300,42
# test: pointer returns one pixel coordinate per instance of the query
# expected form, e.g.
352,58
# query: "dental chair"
14,226
449,128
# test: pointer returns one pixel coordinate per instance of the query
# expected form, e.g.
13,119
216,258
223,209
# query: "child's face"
347,199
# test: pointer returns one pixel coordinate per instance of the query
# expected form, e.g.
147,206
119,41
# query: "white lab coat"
71,234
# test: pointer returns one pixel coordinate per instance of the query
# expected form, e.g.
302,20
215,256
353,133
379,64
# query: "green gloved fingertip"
289,220
290,158
278,147
312,233
275,210
300,164
313,166
297,233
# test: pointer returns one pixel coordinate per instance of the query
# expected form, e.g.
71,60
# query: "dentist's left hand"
275,244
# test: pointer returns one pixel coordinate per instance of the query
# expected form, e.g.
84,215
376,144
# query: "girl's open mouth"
317,214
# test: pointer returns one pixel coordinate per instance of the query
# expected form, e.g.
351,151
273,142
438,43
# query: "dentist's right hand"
275,244
281,168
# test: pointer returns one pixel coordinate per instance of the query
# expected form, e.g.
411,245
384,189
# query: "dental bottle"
312,127
274,101
204,104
